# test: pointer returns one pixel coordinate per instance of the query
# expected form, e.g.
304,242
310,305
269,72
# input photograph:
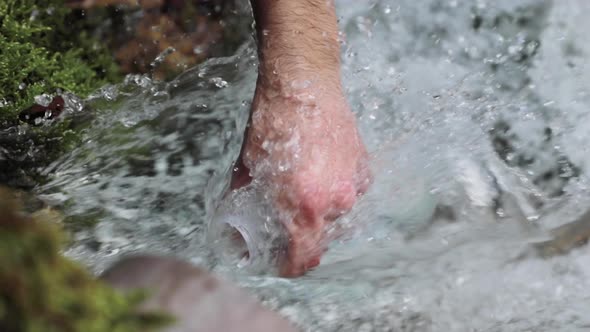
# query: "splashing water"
475,114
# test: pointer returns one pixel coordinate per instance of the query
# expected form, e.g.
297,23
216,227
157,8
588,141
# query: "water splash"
246,231
454,100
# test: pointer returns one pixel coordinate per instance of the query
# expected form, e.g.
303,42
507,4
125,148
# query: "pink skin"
327,174
197,300
301,120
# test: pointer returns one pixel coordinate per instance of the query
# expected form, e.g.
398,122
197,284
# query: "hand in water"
304,146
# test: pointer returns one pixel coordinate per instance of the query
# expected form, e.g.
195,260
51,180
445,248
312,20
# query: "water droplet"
219,82
198,50
297,84
128,123
162,56
109,93
283,167
34,15
43,100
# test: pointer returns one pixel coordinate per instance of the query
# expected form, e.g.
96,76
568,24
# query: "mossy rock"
43,48
41,290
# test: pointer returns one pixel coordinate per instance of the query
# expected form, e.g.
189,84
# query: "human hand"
303,145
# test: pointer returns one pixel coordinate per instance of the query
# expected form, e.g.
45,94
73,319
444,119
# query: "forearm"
297,38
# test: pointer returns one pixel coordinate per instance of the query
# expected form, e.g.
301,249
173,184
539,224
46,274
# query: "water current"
476,115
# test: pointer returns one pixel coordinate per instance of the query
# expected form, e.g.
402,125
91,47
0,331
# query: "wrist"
291,77
297,40
286,50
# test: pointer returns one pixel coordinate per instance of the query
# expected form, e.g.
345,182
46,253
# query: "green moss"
43,48
40,290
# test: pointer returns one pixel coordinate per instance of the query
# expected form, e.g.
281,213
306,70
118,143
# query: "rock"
34,114
198,300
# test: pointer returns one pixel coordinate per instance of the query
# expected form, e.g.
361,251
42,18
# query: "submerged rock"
139,32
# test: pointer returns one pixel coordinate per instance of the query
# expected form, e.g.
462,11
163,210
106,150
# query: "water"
475,114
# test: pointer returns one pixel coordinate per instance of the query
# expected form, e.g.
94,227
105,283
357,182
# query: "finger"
305,247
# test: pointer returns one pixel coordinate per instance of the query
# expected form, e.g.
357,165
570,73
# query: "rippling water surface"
477,117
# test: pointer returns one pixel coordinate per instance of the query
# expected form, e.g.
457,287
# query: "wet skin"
302,142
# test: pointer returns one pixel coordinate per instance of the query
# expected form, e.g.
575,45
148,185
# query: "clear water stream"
476,114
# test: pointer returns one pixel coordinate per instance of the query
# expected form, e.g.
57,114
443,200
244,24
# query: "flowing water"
476,116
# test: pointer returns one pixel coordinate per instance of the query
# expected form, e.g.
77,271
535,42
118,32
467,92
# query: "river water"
476,116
